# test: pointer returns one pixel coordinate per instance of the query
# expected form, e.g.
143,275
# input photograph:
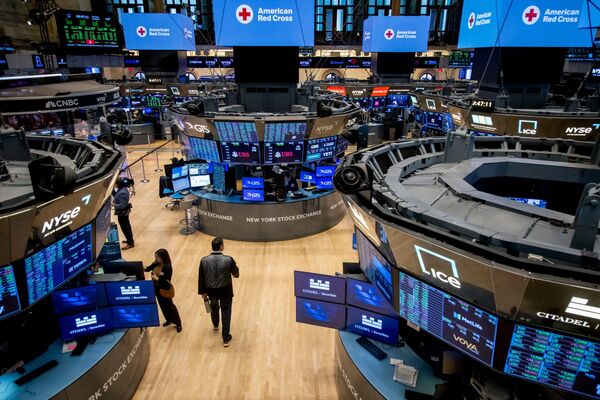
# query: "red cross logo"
389,34
531,15
141,31
244,14
471,21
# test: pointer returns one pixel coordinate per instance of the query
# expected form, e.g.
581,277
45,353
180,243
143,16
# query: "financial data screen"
318,149
204,149
237,131
51,267
285,132
283,152
240,152
9,297
375,266
553,359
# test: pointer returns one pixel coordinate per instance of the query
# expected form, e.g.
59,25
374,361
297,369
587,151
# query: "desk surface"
380,373
68,370
238,198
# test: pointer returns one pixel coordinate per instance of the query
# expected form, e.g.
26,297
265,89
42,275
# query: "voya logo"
449,278
318,284
372,322
85,321
465,343
528,127
130,290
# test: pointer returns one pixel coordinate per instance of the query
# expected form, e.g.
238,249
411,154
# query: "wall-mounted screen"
235,131
9,295
79,299
366,295
52,266
318,149
135,315
374,265
285,131
253,195
204,149
80,31
398,100
315,312
320,287
373,325
158,31
253,183
84,324
130,292
240,152
284,152
461,59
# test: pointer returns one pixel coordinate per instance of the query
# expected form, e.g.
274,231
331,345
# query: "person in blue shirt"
122,210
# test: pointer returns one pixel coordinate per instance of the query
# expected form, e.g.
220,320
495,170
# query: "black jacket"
214,275
165,275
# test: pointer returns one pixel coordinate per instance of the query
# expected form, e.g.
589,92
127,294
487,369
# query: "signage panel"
320,287
158,31
395,34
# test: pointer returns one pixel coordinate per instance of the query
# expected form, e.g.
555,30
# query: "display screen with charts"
284,152
9,295
285,131
234,131
199,181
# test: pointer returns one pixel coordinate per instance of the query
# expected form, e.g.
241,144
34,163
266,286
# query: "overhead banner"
396,34
158,32
264,23
522,23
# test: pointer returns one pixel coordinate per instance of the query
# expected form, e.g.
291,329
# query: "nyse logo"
372,322
465,343
528,127
318,284
579,306
424,254
86,321
64,219
578,131
130,290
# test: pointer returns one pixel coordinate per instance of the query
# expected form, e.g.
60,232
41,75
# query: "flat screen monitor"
463,326
218,175
285,131
253,183
320,287
198,169
181,184
129,268
375,266
319,149
253,195
199,181
179,171
102,225
9,295
373,325
325,183
461,59
130,292
52,266
87,323
85,32
240,153
342,145
365,295
532,202
397,100
553,359
110,251
433,120
158,31
284,152
237,131
325,171
204,149
308,177
135,315
395,34
321,313
79,299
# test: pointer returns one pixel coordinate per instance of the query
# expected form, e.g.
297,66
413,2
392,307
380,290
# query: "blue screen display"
395,34
204,149
253,195
285,131
373,325
9,295
218,174
325,171
264,23
365,295
181,184
325,183
375,266
522,23
134,316
240,152
284,152
87,323
253,183
315,312
342,145
532,202
398,100
318,149
553,359
320,287
130,292
237,131
306,176
51,267
179,172
79,299
158,31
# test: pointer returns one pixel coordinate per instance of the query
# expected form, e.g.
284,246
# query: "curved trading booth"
496,297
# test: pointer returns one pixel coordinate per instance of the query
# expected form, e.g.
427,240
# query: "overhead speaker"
50,179
352,178
324,110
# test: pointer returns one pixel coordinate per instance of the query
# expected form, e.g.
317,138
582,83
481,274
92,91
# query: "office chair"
165,189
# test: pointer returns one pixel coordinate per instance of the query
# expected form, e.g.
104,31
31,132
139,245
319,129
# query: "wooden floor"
271,356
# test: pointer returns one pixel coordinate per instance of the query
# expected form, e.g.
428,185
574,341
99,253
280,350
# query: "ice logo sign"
318,284
431,262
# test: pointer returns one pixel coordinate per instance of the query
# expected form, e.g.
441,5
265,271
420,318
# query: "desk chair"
165,188
186,206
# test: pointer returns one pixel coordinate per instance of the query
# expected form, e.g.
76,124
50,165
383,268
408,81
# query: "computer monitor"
321,313
325,183
179,171
199,181
253,183
130,292
325,171
79,299
135,315
129,268
181,184
320,287
308,177
88,323
253,195
9,295
198,169
366,295
373,325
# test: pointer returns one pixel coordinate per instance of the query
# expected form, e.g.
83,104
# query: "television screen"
366,295
199,169
461,59
253,195
395,34
532,202
204,149
199,181
284,152
565,362
285,131
253,183
179,171
318,149
52,266
135,315
230,131
325,171
433,120
181,184
308,177
264,23
158,31
374,265
79,299
373,325
81,31
397,100
130,292
325,183
110,251
240,152
131,61
102,225
9,296
320,287
87,323
315,312
462,325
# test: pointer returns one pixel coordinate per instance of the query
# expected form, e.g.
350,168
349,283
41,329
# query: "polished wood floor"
271,356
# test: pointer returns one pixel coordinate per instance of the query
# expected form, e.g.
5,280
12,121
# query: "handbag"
167,293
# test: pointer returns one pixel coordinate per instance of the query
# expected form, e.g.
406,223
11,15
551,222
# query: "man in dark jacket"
215,285
122,210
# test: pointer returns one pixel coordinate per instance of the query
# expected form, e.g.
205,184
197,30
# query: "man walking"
215,285
122,210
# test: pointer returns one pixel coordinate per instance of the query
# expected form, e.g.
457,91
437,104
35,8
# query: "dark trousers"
225,305
126,228
169,310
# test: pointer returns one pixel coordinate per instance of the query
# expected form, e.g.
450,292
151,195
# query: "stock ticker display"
318,149
84,30
466,327
9,296
50,267
553,359
237,131
204,149
285,131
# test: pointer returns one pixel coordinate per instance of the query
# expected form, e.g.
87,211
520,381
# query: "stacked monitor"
322,148
284,142
324,176
253,189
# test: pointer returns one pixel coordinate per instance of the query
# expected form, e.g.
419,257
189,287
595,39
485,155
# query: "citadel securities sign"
158,32
264,23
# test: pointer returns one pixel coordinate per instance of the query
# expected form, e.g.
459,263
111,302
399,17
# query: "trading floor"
271,356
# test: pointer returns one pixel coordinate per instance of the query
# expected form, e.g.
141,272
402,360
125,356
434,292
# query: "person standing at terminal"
162,272
215,285
122,210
